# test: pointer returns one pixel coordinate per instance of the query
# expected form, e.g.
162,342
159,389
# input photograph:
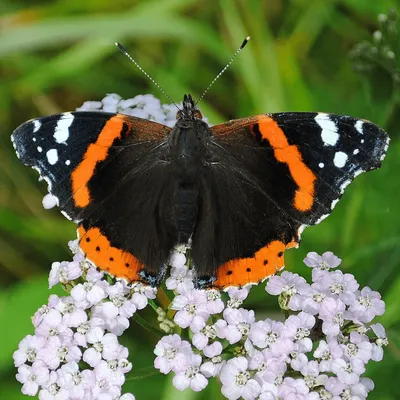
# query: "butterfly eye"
197,114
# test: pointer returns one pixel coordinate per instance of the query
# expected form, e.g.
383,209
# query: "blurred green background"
319,55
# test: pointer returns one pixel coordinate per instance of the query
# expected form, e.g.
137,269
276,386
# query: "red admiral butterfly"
241,192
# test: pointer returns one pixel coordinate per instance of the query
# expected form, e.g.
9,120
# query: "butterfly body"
241,192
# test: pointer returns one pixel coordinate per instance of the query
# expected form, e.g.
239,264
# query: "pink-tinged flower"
298,328
332,315
192,308
107,386
214,303
77,382
83,329
348,371
180,279
270,370
213,364
57,352
127,396
380,341
287,284
191,376
325,262
316,301
237,382
337,285
265,333
28,349
269,391
117,295
32,377
113,321
64,272
358,347
237,296
200,339
298,359
52,390
172,354
325,353
334,386
239,324
104,346
367,305
142,294
89,293
293,389
312,377
72,314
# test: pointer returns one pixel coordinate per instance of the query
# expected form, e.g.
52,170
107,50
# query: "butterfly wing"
117,208
274,175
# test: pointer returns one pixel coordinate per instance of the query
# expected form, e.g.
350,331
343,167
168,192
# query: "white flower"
90,292
377,347
367,305
32,377
237,382
237,296
104,346
265,333
64,272
58,351
180,279
348,372
77,382
28,349
326,352
191,376
192,308
213,364
73,315
52,390
141,294
172,354
239,324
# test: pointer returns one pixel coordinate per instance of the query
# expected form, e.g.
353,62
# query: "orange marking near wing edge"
266,262
95,153
291,156
98,250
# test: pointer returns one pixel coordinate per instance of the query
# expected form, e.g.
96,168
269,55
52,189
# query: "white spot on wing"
359,126
39,149
356,151
34,139
340,159
334,202
52,156
36,125
329,132
67,162
61,133
321,165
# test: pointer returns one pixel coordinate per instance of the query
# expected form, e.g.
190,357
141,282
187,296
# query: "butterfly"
240,192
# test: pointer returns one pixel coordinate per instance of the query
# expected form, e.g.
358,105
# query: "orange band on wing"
266,262
98,250
291,156
95,153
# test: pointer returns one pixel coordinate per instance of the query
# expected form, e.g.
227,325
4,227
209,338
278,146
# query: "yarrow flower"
319,351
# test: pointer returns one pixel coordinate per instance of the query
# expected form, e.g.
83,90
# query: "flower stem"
143,323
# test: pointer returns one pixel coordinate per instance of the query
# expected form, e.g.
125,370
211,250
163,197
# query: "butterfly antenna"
245,41
123,50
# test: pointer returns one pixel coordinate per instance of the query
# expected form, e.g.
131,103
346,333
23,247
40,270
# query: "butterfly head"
189,111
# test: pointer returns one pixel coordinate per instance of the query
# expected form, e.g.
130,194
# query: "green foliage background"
54,55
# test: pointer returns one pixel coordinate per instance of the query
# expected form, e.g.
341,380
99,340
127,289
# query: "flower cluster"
80,329
318,351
